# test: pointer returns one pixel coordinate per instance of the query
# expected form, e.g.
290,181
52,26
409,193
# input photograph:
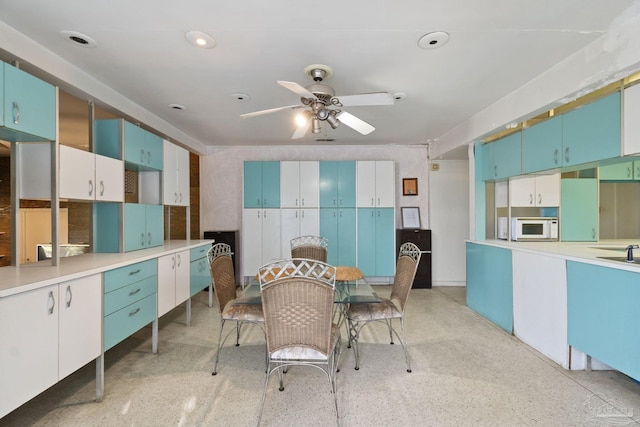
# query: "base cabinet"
199,274
375,241
173,281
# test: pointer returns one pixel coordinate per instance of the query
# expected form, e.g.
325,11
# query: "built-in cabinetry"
175,175
299,199
338,184
542,146
173,281
338,225
502,157
142,148
579,209
260,238
376,249
625,171
630,123
376,184
535,190
262,185
143,226
89,176
56,330
199,274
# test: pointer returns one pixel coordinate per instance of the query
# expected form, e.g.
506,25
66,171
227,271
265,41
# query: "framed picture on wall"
410,218
410,186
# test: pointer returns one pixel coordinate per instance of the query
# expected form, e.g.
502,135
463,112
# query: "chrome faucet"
630,249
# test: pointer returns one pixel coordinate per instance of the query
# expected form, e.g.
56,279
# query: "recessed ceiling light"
243,97
433,40
78,39
399,96
177,107
200,39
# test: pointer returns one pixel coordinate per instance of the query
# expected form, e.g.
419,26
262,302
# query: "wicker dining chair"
310,247
224,286
297,300
360,314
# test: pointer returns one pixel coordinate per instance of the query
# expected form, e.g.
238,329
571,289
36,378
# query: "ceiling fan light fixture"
302,118
333,120
200,39
315,125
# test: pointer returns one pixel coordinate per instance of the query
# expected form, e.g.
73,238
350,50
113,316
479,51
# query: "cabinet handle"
148,238
180,200
141,155
141,239
539,199
53,302
340,201
149,157
302,214
566,154
296,214
134,312
334,214
69,296
555,156
372,202
593,233
296,202
334,202
378,201
132,273
101,187
629,172
638,172
175,196
132,293
16,113
90,187
179,260
264,203
495,170
372,214
302,202
530,198
173,262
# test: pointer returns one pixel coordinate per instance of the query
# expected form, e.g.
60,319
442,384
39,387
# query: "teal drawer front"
124,276
199,252
114,301
200,275
126,321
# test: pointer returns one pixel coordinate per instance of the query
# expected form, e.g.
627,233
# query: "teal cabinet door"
592,132
134,226
507,156
617,172
106,137
154,147
29,105
385,242
347,184
154,225
602,315
106,227
579,209
542,146
271,185
347,237
261,184
484,160
2,107
367,241
252,184
328,184
337,184
329,230
134,144
490,283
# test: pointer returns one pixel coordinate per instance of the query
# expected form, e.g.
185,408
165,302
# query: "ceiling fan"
322,105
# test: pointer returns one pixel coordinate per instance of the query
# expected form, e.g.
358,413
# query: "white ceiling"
495,47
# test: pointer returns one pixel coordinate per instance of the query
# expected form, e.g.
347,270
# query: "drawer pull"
134,312
134,292
131,273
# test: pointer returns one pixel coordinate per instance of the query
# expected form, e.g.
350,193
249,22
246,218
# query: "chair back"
297,301
406,267
222,275
310,247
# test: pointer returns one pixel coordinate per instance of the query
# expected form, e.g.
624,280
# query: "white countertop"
577,251
36,275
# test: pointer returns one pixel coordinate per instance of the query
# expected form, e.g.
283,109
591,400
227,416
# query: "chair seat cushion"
364,312
243,312
306,353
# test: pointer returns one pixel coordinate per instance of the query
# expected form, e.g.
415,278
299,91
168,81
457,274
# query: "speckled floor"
466,372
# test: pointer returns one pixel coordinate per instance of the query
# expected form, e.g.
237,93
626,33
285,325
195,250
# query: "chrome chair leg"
405,346
215,366
238,325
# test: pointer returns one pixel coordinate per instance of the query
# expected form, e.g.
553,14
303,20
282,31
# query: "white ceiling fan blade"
377,98
355,123
296,88
301,130
270,110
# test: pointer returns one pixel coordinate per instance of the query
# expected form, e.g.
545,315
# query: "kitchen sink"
620,259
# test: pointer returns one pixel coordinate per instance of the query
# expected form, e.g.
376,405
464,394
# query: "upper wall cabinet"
337,184
262,184
142,148
502,157
175,173
376,184
29,106
542,146
88,176
535,191
299,183
592,132
631,122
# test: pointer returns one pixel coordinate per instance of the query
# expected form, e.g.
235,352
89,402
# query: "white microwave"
529,228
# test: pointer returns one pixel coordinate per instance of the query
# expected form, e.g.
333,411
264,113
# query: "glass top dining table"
347,292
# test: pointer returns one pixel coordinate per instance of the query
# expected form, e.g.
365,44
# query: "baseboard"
449,283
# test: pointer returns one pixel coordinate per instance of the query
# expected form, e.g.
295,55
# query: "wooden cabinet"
579,209
602,311
175,175
88,176
592,132
129,300
490,283
29,106
542,146
299,184
376,184
297,222
339,227
337,184
502,158
262,184
200,276
260,238
376,249
143,226
173,281
535,191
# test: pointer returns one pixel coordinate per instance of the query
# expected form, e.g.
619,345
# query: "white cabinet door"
166,283
270,236
309,222
631,124
29,346
290,228
385,184
540,304
183,282
289,184
77,174
80,324
309,184
251,241
183,185
548,190
366,184
169,173
109,179
522,191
